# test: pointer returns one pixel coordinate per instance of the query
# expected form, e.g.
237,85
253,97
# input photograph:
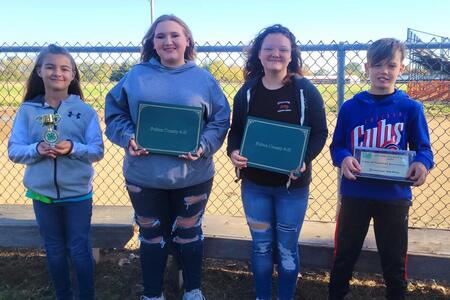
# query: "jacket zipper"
55,169
298,94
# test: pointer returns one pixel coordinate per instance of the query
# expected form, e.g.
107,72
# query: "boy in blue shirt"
383,117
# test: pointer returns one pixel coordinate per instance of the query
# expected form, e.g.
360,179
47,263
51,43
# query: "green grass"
328,92
11,95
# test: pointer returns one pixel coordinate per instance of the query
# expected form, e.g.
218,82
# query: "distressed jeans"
275,216
170,216
65,229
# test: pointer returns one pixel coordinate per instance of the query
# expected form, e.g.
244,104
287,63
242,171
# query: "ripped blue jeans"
275,217
170,217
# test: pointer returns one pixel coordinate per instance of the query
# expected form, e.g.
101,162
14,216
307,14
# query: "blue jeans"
170,217
65,229
275,216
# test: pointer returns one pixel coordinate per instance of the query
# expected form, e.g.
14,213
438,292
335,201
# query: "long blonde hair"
148,47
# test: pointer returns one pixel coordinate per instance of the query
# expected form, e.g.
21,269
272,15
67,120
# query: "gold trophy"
50,135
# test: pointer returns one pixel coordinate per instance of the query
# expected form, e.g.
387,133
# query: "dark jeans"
65,228
391,232
170,216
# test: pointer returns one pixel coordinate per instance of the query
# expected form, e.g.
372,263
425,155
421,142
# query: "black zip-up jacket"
311,111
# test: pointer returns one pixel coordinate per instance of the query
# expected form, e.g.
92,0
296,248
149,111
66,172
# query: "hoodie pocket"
131,161
199,165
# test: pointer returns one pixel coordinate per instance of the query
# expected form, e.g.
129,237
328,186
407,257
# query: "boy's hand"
238,160
418,173
134,150
349,167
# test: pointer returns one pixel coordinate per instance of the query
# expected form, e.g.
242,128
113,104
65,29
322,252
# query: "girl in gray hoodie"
58,137
168,193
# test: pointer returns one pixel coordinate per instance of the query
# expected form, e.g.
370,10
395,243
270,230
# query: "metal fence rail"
336,69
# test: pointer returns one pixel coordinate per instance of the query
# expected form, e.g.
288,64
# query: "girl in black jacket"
276,90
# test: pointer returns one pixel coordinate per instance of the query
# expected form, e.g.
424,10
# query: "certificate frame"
384,164
274,146
169,129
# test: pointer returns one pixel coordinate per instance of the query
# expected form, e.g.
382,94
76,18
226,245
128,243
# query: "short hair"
35,84
253,66
384,49
148,46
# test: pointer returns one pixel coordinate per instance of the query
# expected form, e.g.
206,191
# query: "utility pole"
152,11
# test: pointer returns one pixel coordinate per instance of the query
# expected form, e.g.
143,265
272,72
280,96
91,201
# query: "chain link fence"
336,69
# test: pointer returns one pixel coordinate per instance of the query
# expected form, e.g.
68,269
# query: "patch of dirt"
23,275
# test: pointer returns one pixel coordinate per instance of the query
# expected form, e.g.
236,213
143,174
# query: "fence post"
340,101
340,74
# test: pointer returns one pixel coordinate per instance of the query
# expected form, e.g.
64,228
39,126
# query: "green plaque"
274,146
168,128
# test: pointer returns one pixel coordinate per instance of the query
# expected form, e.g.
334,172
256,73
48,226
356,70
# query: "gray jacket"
184,85
67,176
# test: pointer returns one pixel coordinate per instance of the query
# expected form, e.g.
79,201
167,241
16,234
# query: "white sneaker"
193,295
153,298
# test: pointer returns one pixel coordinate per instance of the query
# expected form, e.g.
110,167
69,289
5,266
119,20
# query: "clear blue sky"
101,21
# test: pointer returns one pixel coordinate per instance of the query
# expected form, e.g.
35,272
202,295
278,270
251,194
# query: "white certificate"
384,164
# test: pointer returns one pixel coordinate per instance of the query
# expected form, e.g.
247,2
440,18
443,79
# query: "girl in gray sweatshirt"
58,137
168,193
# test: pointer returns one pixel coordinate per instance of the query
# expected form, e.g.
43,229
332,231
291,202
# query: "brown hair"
384,49
35,84
253,66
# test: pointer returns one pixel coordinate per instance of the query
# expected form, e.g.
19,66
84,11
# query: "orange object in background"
432,90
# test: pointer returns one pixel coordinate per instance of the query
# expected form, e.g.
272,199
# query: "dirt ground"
23,276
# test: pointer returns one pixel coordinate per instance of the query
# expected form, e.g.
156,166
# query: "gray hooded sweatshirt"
68,177
185,85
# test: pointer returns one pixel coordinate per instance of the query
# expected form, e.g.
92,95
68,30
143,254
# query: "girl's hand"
189,156
134,150
418,173
237,160
302,169
45,150
349,167
63,148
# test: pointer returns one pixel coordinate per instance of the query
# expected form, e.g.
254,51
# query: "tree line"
16,69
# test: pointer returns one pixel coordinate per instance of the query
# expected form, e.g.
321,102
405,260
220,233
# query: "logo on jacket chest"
284,106
72,114
382,136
